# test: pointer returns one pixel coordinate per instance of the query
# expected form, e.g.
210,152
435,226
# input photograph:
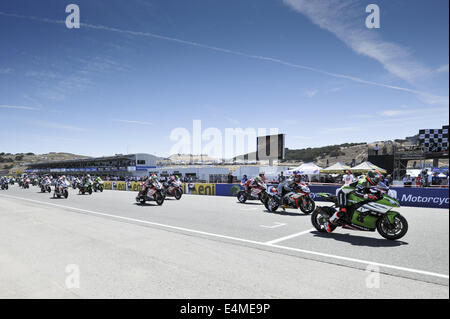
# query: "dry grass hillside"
20,160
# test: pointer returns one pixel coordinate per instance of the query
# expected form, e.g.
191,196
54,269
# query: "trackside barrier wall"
413,197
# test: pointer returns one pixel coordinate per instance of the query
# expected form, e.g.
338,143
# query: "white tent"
335,168
307,169
269,172
367,166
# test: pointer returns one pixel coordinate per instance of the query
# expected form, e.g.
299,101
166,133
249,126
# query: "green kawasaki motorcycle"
363,215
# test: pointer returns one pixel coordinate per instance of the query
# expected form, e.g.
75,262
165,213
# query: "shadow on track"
146,205
250,203
285,213
360,240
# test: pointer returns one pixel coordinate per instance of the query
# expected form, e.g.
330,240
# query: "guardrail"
412,197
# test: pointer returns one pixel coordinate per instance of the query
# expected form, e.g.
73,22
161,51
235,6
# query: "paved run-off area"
106,246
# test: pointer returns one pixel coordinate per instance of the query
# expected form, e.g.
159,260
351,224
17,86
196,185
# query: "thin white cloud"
311,93
58,126
384,52
345,19
41,74
402,112
6,71
133,122
443,69
18,107
341,129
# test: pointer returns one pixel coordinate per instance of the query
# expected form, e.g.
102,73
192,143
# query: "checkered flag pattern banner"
434,140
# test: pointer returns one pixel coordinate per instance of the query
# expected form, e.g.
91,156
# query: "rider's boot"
333,219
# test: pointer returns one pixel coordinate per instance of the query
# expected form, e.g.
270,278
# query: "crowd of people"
424,179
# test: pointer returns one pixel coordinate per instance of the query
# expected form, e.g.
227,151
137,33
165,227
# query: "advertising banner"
199,189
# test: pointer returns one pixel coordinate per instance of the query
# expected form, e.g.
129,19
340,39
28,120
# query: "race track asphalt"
207,247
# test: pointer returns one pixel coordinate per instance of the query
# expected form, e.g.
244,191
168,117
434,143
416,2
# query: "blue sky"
137,69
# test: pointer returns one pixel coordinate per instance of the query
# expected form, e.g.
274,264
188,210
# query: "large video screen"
270,147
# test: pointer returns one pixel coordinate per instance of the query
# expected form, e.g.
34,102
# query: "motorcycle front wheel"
393,231
178,194
242,198
272,204
159,199
307,206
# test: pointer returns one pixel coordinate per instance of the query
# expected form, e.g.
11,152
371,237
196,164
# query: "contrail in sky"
233,52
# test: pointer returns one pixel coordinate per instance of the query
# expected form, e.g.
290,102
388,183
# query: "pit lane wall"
413,197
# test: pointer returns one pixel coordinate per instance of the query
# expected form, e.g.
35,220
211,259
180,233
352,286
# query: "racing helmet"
373,177
258,179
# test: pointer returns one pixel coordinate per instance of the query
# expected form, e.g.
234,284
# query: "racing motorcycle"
365,216
154,193
34,182
4,184
45,186
61,190
173,190
85,188
255,193
298,199
76,183
26,183
98,186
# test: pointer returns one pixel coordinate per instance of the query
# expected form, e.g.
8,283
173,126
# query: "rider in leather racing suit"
361,188
287,186
60,181
252,183
151,182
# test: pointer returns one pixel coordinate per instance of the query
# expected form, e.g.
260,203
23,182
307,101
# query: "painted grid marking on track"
315,253
289,237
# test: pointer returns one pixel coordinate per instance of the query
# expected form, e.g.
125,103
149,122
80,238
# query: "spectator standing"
348,178
407,181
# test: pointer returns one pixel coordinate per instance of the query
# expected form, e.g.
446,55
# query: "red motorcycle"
173,190
153,193
258,192
26,183
299,199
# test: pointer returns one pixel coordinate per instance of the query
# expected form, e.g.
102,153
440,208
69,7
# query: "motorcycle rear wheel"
178,194
320,216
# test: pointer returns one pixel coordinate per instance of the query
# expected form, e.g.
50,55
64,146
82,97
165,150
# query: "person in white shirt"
348,178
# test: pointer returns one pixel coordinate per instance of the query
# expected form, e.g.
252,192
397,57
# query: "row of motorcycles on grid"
61,188
158,191
379,215
272,198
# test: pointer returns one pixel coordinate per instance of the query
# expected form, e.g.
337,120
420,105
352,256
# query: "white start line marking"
266,244
289,237
274,226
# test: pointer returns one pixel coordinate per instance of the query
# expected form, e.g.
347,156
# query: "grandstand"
118,165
